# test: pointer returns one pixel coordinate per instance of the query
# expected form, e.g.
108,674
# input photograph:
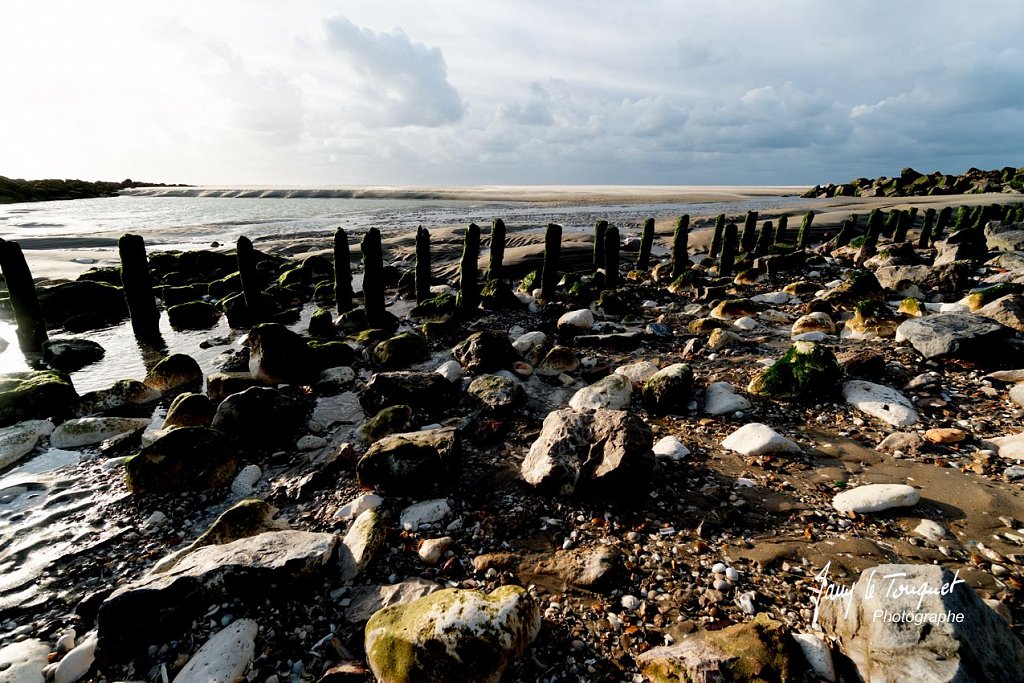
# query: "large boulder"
70,355
1007,310
425,392
260,418
82,305
807,371
35,395
485,351
920,622
89,431
452,635
186,459
605,452
18,440
954,335
361,542
194,315
668,390
401,351
241,570
175,373
411,463
279,356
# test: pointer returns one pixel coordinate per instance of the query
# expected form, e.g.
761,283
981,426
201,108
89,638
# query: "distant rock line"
15,190
910,183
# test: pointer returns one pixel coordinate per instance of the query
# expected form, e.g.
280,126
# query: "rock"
18,440
721,339
880,401
758,650
194,315
755,438
1017,394
123,393
424,512
185,459
875,498
586,568
224,657
1010,447
807,371
240,570
260,418
82,305
932,531
70,355
410,463
945,435
366,600
813,322
485,351
174,374
560,359
603,452
734,308
638,372
668,390
498,395
611,392
89,431
35,395
334,380
279,356
895,626
220,385
77,662
23,661
1012,376
908,442
451,370
401,351
1007,310
432,550
861,285
576,322
391,420
426,392
244,481
818,654
361,543
530,345
671,448
452,635
1006,240
871,319
721,398
358,505
954,335
189,410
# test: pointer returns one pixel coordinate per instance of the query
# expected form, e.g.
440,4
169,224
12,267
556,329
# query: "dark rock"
498,395
186,459
955,335
321,323
220,385
668,390
69,355
485,351
279,356
410,464
401,351
390,420
189,410
35,395
260,418
175,373
104,303
426,392
622,341
195,315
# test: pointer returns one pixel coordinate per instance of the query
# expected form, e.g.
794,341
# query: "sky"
462,92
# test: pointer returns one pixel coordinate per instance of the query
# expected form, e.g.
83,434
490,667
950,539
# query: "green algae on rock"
33,395
185,459
807,370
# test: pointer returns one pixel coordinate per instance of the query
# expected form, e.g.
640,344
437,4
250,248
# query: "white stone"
933,531
88,431
610,392
155,520
1010,447
18,440
581,320
732,574
773,298
954,307
758,439
451,370
810,336
23,662
357,506
817,654
745,323
718,568
245,480
424,512
880,401
360,544
432,550
671,448
224,657
630,602
1008,375
875,498
1017,394
530,341
638,372
77,662
721,399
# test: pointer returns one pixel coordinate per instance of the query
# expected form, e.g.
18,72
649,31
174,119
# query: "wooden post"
422,274
680,242
729,248
643,262
875,229
373,277
342,272
781,228
902,227
552,252
138,286
765,239
250,283
469,288
942,222
599,230
803,235
748,239
717,236
497,251
611,257
926,229
27,312
846,233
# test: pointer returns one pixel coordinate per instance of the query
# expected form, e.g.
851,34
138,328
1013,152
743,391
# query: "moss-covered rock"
411,463
807,371
189,410
35,395
260,418
361,543
529,282
92,304
498,395
186,459
668,390
321,324
703,326
125,393
194,315
390,420
401,351
872,318
497,295
175,373
734,308
426,392
982,297
440,305
452,635
485,351
911,307
861,285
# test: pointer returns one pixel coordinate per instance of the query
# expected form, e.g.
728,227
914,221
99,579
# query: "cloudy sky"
525,92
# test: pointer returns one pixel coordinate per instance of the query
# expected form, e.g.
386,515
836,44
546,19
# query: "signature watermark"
883,588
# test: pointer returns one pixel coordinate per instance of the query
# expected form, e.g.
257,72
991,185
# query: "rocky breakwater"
649,478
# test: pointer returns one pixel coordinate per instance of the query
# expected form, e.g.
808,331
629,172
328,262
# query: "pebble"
310,442
424,512
630,602
875,498
245,480
758,439
746,602
745,323
581,320
721,398
358,506
671,448
433,549
930,530
451,370
945,435
880,401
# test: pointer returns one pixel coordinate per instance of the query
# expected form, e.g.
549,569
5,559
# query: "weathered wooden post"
749,237
781,229
250,282
342,272
680,242
717,236
902,227
469,287
846,233
729,249
600,228
942,222
422,274
875,229
926,229
765,239
138,287
611,257
497,251
373,277
963,217
552,252
27,312
643,262
1009,211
